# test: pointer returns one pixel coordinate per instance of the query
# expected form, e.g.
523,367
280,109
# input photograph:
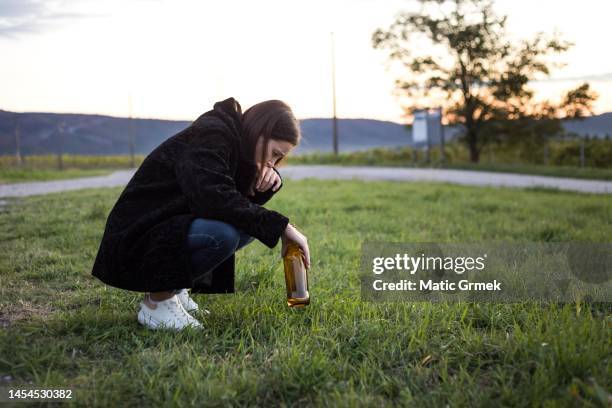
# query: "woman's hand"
266,178
291,234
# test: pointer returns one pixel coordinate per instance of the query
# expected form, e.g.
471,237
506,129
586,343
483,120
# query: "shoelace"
185,298
188,318
180,296
174,305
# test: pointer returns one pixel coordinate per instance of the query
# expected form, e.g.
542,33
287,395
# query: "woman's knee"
228,235
214,233
245,239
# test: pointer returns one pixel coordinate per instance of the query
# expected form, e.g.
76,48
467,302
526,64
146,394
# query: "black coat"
202,171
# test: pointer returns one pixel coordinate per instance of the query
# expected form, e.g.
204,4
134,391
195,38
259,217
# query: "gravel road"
466,177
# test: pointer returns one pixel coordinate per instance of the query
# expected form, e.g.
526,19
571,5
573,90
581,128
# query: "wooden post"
131,135
60,145
442,152
427,135
17,140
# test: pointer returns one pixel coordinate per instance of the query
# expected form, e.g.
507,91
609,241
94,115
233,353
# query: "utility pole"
428,132
60,145
442,152
17,140
131,133
335,119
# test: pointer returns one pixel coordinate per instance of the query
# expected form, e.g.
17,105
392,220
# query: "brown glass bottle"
296,277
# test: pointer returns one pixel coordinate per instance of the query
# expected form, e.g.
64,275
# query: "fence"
40,162
595,153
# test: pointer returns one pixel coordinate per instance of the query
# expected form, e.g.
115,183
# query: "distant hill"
353,134
599,125
106,135
84,134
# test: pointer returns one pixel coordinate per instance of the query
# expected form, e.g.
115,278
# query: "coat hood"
228,111
228,118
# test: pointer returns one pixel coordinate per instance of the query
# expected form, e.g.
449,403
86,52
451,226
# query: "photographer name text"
436,286
413,264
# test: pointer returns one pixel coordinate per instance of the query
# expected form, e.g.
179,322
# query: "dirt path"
118,178
466,177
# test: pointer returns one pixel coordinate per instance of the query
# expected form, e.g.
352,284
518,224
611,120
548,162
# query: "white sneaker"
167,313
188,303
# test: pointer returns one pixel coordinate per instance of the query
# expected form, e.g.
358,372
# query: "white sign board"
419,127
426,126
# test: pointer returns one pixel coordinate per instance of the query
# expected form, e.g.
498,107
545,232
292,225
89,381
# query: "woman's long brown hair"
272,119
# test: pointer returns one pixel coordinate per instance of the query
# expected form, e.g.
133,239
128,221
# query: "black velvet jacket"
202,171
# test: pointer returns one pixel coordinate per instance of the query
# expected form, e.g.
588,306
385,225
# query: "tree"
475,71
578,102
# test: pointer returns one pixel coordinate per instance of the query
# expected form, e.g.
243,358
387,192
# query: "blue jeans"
210,242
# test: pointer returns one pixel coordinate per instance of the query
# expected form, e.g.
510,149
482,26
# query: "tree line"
457,54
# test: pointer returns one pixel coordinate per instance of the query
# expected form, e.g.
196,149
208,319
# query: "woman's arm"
204,176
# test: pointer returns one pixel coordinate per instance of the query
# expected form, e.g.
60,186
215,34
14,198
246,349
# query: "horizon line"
186,120
191,120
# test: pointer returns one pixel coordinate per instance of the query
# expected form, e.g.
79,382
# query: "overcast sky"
177,57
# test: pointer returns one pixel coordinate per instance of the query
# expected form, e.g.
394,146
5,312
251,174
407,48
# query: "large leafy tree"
458,54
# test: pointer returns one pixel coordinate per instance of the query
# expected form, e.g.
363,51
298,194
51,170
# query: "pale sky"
177,57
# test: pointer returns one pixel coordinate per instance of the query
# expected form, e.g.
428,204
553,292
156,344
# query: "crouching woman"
193,202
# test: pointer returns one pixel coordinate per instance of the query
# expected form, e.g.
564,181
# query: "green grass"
16,175
403,158
65,329
44,167
539,169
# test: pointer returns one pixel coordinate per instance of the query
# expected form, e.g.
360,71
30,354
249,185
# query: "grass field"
62,328
403,158
44,167
16,175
